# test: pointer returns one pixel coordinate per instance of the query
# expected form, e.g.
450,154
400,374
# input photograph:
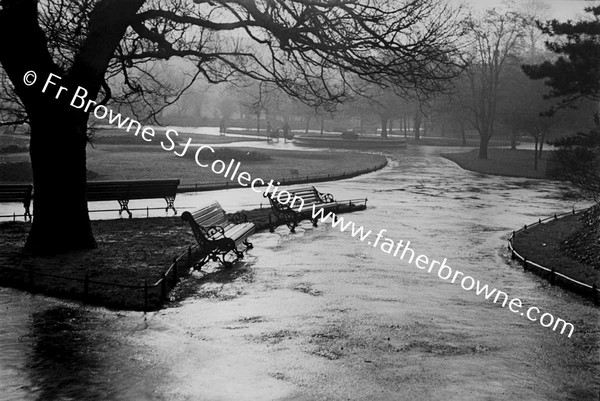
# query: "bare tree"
495,39
307,48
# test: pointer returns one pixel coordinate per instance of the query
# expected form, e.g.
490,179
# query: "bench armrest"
326,198
213,230
237,218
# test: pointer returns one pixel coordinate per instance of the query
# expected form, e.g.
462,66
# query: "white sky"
560,9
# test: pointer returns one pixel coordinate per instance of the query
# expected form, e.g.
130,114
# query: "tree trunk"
405,123
463,134
535,158
417,125
542,144
384,127
60,212
258,123
513,139
307,124
322,125
483,146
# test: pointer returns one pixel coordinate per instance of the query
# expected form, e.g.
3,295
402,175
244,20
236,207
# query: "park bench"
219,233
293,212
124,191
17,193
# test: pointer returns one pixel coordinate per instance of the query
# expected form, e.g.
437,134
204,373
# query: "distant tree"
524,113
495,38
533,37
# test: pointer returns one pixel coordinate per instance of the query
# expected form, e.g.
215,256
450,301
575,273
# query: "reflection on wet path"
320,315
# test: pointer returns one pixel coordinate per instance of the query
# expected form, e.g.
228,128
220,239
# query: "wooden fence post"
163,287
145,295
175,274
271,229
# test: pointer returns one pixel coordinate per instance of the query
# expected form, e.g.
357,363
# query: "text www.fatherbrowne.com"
403,250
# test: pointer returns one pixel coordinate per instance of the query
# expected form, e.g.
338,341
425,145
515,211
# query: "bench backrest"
309,194
16,193
210,215
202,219
126,190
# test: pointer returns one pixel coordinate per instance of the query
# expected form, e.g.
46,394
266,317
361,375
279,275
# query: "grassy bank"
130,252
512,163
139,162
130,163
549,245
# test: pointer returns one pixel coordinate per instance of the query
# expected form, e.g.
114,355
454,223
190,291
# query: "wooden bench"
219,233
124,191
293,212
18,193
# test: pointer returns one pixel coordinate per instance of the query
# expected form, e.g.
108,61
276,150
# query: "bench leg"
248,244
292,226
27,214
201,262
170,204
125,207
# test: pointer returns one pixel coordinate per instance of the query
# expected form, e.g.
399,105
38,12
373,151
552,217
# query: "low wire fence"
550,274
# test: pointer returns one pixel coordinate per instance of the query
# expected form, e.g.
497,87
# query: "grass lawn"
512,163
542,244
113,162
